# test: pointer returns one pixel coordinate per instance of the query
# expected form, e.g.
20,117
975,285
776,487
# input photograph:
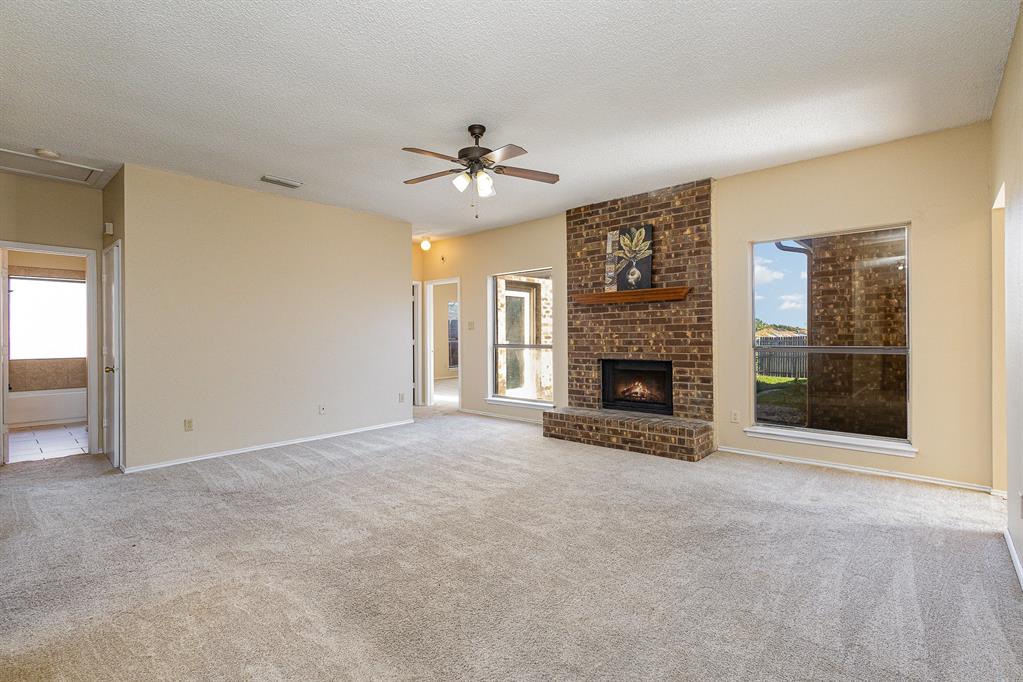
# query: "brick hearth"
674,437
679,331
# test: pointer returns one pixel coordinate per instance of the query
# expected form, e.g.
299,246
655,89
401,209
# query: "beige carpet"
467,548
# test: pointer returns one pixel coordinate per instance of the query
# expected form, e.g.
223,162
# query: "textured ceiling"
617,97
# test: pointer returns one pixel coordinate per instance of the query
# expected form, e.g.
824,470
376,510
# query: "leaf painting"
634,254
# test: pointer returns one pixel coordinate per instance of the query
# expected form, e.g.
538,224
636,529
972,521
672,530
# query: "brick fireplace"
675,335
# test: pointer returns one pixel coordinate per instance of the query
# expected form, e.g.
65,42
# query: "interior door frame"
117,344
4,352
92,333
417,342
428,309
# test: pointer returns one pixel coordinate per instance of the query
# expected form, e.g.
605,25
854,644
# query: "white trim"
1014,556
263,446
832,440
872,471
116,455
92,320
520,402
1004,494
495,415
417,342
5,343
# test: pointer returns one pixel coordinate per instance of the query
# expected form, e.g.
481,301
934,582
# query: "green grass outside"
781,392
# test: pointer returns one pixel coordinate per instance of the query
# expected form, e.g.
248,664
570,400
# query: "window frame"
839,439
493,346
63,280
457,339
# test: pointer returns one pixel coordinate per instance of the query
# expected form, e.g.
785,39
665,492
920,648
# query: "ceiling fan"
477,164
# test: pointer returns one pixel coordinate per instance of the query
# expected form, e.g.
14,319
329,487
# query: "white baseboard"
873,471
1004,494
502,416
1014,556
263,446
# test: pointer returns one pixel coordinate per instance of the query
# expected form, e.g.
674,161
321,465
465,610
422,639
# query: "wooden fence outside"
790,364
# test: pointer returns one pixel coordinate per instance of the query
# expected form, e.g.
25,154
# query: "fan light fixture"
425,244
479,164
462,180
484,184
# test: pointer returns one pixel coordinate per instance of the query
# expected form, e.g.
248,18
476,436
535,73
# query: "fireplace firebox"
639,385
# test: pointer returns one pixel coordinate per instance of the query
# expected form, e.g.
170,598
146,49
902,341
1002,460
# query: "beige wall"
1007,168
245,310
473,258
51,213
936,182
442,295
417,262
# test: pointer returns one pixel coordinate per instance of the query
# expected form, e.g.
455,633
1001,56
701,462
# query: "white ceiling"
618,97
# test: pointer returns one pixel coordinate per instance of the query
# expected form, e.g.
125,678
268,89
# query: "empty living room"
546,340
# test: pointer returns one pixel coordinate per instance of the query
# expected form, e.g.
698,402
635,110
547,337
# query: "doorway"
48,334
443,375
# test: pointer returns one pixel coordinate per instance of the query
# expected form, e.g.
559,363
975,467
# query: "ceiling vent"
283,182
30,164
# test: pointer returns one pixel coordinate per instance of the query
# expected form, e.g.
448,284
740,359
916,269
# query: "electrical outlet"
189,426
401,397
322,409
735,416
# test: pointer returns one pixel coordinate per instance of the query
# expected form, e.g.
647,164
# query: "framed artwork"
629,258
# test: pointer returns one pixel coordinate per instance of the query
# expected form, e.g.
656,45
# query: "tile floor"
48,442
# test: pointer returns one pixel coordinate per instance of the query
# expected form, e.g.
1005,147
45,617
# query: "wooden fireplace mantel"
635,295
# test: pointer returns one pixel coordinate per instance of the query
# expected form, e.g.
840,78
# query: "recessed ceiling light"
43,153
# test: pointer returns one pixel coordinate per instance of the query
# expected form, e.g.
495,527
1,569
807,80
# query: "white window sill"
879,446
520,402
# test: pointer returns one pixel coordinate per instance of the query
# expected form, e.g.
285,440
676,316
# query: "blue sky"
779,285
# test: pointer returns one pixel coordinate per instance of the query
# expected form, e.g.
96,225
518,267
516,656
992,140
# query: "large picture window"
830,340
47,319
522,312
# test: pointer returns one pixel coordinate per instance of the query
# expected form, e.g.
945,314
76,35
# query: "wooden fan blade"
509,151
431,176
436,155
526,174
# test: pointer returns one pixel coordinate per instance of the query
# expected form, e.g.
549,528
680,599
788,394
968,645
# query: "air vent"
30,164
283,182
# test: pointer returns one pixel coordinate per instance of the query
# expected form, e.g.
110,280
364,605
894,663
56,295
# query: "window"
452,335
47,319
522,306
830,341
